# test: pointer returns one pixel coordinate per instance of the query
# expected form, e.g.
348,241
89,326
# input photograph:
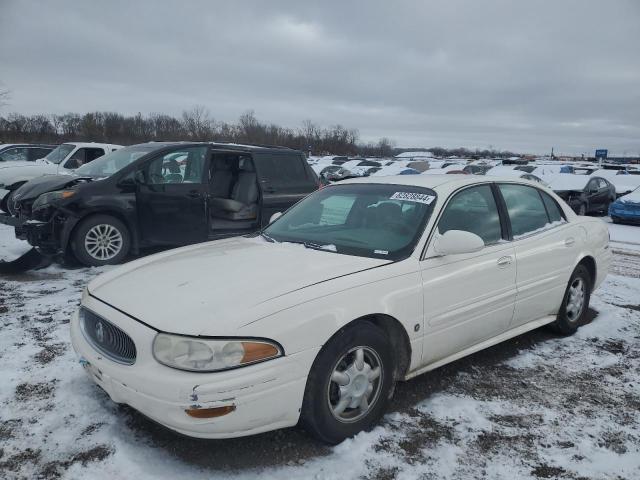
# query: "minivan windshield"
113,162
367,220
59,153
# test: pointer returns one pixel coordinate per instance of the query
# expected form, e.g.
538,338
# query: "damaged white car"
358,286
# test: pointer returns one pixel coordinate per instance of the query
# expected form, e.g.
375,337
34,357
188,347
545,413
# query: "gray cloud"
514,75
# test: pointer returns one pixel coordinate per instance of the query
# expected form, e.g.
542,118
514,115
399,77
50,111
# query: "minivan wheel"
575,303
101,240
349,385
7,203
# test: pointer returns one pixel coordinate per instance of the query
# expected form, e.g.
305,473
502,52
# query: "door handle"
504,261
569,241
193,195
269,189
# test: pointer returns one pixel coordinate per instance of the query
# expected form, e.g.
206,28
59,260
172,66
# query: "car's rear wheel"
101,240
575,303
349,385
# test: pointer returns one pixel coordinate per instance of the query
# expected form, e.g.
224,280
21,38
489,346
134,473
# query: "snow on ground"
10,246
624,237
538,406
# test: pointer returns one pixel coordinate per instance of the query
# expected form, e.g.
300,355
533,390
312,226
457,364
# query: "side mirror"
274,217
455,242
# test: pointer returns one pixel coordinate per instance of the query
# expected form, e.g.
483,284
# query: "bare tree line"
196,124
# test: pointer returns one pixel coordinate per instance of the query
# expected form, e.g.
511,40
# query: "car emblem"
100,332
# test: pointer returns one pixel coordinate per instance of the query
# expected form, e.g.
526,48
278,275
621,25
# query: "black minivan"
159,194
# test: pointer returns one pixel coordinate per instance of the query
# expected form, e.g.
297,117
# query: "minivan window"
282,169
526,210
473,210
60,153
377,221
182,166
115,161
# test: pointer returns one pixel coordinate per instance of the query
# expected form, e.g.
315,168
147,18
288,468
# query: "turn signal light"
258,351
210,412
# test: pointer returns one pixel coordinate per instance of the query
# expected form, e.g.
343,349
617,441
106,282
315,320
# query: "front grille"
107,338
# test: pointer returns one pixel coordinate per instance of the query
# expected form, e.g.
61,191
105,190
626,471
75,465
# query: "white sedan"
358,286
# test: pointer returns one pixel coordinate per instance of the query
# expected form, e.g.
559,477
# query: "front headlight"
47,198
202,355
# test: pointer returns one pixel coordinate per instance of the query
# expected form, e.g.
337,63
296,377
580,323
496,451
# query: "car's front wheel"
350,384
6,205
575,303
101,240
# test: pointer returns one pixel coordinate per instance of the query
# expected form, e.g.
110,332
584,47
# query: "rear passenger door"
284,179
468,298
546,247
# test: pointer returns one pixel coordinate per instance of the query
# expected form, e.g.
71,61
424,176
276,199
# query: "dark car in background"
159,194
584,194
23,152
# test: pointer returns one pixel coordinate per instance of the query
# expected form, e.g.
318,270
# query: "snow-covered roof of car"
434,181
566,181
507,170
93,144
633,197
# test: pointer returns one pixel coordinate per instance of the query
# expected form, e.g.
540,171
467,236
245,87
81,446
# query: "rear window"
282,169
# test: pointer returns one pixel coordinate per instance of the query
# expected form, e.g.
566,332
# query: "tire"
96,229
571,314
320,414
7,201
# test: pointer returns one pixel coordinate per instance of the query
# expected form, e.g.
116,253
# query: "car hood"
217,287
13,164
47,183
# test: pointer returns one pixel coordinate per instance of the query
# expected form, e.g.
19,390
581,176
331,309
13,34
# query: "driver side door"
468,298
171,197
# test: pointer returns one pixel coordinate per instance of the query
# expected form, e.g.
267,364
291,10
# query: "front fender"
322,310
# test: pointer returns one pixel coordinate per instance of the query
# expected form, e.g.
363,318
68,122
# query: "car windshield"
114,162
367,220
60,153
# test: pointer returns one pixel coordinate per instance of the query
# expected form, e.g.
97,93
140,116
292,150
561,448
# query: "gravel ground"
538,406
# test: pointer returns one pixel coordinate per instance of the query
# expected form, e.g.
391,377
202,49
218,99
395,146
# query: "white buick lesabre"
358,286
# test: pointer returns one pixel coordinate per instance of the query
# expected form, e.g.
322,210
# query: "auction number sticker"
413,197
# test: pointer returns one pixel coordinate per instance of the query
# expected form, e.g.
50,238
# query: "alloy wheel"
575,299
103,242
355,385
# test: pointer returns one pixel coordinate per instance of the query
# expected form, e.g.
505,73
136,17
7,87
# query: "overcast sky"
516,75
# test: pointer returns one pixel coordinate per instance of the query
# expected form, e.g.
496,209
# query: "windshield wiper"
267,237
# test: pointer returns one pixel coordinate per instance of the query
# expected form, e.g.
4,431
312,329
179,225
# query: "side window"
526,209
14,155
182,166
592,185
602,183
282,169
76,160
473,210
37,153
555,214
93,153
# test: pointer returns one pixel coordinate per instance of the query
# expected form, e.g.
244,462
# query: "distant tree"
4,97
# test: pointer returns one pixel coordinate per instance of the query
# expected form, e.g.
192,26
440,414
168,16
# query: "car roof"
450,181
92,144
223,145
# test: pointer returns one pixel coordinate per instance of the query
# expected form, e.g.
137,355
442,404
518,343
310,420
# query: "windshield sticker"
413,197
381,252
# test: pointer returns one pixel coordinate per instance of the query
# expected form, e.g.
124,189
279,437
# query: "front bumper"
266,396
